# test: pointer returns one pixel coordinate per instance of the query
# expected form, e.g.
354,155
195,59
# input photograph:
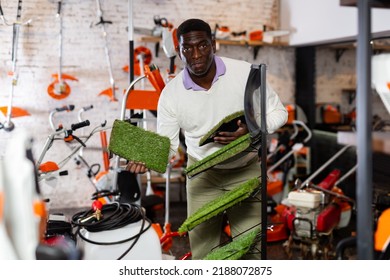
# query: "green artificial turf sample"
137,144
229,123
226,152
236,248
220,204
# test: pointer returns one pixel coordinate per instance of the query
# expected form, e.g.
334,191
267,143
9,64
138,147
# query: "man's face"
196,50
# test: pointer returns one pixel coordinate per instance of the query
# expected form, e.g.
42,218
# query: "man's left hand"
225,137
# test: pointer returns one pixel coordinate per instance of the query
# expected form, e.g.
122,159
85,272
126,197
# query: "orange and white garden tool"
170,43
10,111
146,56
59,88
110,92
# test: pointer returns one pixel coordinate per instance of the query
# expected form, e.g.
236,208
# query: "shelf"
380,140
175,178
376,47
374,3
150,39
154,39
250,43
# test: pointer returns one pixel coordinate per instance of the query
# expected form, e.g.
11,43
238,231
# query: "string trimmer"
10,111
59,89
110,92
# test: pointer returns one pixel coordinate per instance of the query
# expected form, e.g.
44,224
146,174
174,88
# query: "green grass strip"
137,144
236,248
225,120
220,204
226,152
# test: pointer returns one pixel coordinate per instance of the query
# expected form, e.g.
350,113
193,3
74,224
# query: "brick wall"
83,56
334,75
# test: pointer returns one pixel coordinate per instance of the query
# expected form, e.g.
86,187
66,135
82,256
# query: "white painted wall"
323,20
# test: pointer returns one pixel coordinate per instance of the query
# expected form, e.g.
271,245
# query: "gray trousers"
242,217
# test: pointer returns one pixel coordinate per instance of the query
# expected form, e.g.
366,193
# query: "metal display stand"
257,85
263,156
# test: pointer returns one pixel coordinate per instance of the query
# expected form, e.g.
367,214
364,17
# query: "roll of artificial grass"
220,204
229,123
137,144
235,249
226,153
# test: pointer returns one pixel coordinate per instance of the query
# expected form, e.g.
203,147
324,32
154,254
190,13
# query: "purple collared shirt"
189,83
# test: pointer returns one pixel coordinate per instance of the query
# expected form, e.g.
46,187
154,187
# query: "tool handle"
59,8
87,108
65,108
80,125
84,109
19,11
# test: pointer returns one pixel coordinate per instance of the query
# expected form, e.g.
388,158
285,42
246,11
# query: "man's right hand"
136,167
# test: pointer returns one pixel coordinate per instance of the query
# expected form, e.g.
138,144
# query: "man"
205,92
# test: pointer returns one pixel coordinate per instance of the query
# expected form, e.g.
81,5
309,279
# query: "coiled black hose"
113,216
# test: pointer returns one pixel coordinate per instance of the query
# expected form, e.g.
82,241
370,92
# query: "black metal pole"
263,97
364,141
131,44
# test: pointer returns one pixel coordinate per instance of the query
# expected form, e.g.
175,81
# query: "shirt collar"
220,70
